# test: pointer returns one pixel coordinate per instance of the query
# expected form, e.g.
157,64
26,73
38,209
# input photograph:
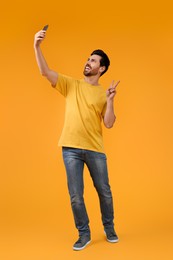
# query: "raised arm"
109,117
51,75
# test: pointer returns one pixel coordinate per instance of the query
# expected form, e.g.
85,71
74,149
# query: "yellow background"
35,218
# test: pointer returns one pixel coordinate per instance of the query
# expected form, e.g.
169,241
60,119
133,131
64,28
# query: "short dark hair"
104,59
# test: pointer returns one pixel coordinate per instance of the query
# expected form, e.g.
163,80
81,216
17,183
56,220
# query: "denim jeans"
74,160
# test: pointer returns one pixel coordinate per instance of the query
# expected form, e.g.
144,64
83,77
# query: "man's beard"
89,72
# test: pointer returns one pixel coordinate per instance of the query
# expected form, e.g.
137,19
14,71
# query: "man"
87,104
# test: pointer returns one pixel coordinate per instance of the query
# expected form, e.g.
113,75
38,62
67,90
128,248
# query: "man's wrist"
110,101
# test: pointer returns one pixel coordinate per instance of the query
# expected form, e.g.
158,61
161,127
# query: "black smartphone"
45,27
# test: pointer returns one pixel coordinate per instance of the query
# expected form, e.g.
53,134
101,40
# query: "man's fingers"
116,84
112,90
112,83
41,35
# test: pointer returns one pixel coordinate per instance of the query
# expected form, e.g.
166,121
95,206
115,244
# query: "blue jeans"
74,160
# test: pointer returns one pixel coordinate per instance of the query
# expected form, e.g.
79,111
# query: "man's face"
92,66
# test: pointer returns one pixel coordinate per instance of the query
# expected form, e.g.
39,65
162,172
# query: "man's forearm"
43,67
109,118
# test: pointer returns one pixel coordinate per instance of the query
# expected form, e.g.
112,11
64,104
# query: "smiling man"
87,105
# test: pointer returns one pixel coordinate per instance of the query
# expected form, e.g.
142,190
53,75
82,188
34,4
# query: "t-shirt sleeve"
63,84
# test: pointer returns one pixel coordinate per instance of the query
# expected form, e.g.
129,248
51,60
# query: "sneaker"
111,236
82,242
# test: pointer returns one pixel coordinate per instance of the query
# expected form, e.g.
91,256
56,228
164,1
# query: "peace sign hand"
111,91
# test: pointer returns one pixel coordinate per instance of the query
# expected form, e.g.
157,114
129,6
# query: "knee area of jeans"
76,199
106,197
104,192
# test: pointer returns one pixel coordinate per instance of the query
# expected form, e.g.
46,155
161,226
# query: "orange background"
35,219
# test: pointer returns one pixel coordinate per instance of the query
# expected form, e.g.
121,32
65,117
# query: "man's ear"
102,69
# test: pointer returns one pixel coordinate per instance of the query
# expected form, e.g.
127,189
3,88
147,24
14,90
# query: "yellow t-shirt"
85,107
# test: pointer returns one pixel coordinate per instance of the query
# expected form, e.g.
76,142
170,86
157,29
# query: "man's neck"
92,80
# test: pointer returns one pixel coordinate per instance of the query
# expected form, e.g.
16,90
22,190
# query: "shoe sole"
111,241
80,248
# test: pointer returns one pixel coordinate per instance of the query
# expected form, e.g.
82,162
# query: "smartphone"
45,27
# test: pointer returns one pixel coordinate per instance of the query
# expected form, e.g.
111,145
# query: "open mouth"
87,67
